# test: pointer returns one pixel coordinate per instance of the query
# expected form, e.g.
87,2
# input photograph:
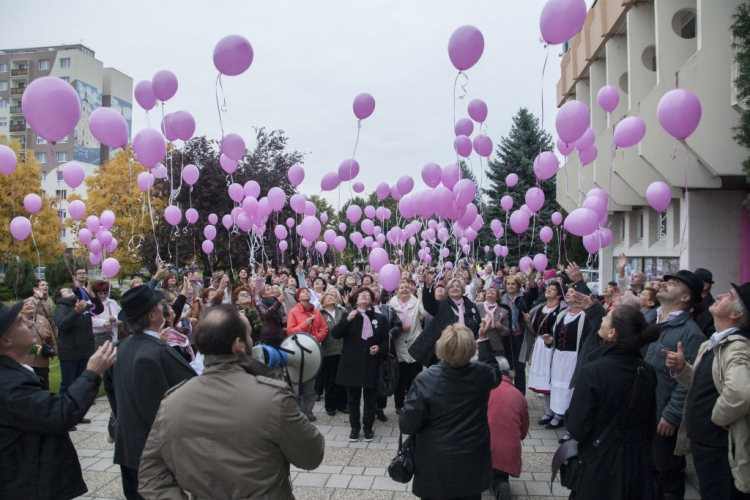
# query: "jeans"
513,344
353,395
71,369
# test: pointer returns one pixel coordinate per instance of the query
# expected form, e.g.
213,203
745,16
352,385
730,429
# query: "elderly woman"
454,309
335,394
318,287
616,384
105,324
271,312
243,299
519,302
43,335
365,338
410,309
499,315
169,287
446,410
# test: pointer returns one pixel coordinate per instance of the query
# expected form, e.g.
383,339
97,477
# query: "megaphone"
305,357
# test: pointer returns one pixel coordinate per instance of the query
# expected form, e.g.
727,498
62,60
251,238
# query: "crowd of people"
639,376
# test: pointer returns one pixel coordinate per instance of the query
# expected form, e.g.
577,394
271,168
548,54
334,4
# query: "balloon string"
38,256
219,107
613,154
541,136
580,180
153,226
683,246
18,268
463,88
533,228
132,210
565,166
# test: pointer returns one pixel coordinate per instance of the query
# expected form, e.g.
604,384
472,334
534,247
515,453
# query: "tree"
20,278
741,34
26,179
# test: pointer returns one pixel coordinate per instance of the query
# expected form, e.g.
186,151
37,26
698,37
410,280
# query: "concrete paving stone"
88,462
113,489
79,436
392,446
106,454
361,482
100,417
357,471
324,429
312,493
102,465
386,483
382,431
542,488
338,456
338,481
517,488
96,480
527,449
544,434
340,494
377,446
328,469
114,468
549,442
536,462
358,444
374,471
524,476
96,428
531,442
96,441
83,453
338,429
403,495
389,439
310,479
337,444
330,437
546,449
341,437
691,492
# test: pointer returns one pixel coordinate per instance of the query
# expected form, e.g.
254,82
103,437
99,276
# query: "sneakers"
313,418
381,416
369,435
354,435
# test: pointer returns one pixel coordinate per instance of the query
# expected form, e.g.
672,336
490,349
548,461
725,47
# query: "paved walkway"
354,471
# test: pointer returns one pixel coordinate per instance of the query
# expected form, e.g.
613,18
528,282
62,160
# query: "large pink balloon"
95,258
679,113
405,184
354,213
478,110
464,192
382,190
227,164
564,148
348,169
20,228
321,247
32,203
545,165
557,218
296,174
596,204
110,267
591,242
339,243
297,202
465,47
535,198
233,146
464,126
506,202
483,145
629,132
659,196
73,174
191,215
525,263
283,245
561,20
586,141
608,98
363,105
166,128
233,54
309,228
463,145
190,174
149,147
511,179
572,120
546,234
330,181
276,198
378,259
581,221
358,187
207,246
450,175
209,232
51,107
367,226
93,223
213,218
236,192
77,209
589,155
519,221
172,215
540,262
227,221
144,95
390,275
109,127
606,236
8,160
107,219
183,125
84,235
431,174
164,85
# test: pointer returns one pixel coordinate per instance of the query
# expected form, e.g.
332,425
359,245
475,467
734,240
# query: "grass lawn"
55,378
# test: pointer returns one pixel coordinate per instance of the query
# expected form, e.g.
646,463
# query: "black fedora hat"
743,291
138,301
694,283
705,275
8,315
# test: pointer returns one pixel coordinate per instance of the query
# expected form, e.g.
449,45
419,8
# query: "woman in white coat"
410,310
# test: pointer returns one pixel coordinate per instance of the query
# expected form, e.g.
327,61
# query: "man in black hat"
147,367
678,294
703,316
718,402
37,456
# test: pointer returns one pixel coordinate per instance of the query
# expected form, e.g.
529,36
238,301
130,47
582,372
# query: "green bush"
6,293
20,278
57,273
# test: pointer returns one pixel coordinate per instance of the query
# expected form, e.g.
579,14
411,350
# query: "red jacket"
296,323
508,416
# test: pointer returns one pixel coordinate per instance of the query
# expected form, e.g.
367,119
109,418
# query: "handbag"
387,376
401,468
567,459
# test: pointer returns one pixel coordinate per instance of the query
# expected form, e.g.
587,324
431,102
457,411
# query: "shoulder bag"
401,468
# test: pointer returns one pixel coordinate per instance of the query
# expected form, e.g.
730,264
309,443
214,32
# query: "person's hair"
385,296
100,286
460,281
372,280
166,308
216,332
137,325
78,268
207,291
516,279
246,271
331,291
58,294
456,346
739,307
411,282
652,296
39,281
357,291
632,330
613,284
236,293
630,301
504,365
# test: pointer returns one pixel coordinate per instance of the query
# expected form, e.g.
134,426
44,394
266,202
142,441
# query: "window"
3,103
43,64
3,67
61,193
44,176
663,225
3,122
60,175
640,225
65,62
4,85
683,23
41,157
62,156
40,140
64,140
62,214
66,79
63,233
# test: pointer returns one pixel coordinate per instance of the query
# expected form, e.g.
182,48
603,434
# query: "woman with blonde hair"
335,394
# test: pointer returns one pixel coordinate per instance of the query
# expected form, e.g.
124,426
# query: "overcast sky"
311,60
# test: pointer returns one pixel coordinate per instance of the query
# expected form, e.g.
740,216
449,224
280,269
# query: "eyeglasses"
244,294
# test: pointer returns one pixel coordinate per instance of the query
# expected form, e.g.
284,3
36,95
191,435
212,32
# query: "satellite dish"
305,357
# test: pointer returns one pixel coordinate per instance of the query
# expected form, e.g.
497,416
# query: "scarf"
366,324
490,310
307,308
175,338
460,305
376,308
268,301
405,312
510,301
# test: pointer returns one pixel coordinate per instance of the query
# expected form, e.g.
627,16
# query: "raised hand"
574,271
675,360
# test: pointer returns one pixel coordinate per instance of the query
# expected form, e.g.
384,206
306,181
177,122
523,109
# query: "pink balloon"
212,219
465,47
95,258
497,249
233,54
190,174
390,275
353,213
321,247
496,226
73,174
227,164
581,221
207,246
296,174
236,192
166,128
364,105
329,236
535,198
252,188
20,228
629,132
546,234
564,148
596,204
105,237
478,110
227,221
96,247
280,232
342,227
608,98
679,113
276,198
330,181
659,196
110,267
265,209
519,221
526,209
540,262
464,126
557,218
8,160
172,215
378,258
33,203
297,202
464,192
77,209
159,171
51,107
382,190
545,165
588,156
209,232
431,174
244,222
149,147
144,95
586,140
145,181
84,235
182,125
561,20
367,226
112,246
483,145
233,146
348,169
93,223
463,146
591,242
469,216
164,85
525,263
511,179
283,245
506,202
309,228
358,187
109,127
339,243
450,175
572,121
606,236
598,192
406,207
191,215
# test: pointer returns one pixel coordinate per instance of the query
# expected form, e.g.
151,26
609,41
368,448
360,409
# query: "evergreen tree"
741,35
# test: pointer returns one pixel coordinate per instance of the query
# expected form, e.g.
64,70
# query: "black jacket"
446,408
146,368
75,333
444,313
703,316
357,367
621,466
37,458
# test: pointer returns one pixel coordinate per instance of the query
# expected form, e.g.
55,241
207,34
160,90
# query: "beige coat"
45,309
404,339
44,335
732,378
228,433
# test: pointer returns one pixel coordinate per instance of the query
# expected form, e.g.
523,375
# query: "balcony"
17,91
19,72
16,110
18,128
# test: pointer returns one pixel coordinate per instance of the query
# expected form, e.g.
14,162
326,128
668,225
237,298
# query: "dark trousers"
335,393
670,468
513,344
714,473
407,372
498,477
43,374
71,369
130,483
353,395
381,402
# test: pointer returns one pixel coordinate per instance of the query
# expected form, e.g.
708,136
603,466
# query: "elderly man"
243,447
135,386
637,279
680,292
703,317
38,458
43,303
717,409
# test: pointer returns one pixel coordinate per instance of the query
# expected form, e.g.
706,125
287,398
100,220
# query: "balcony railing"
17,90
19,72
18,128
16,110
